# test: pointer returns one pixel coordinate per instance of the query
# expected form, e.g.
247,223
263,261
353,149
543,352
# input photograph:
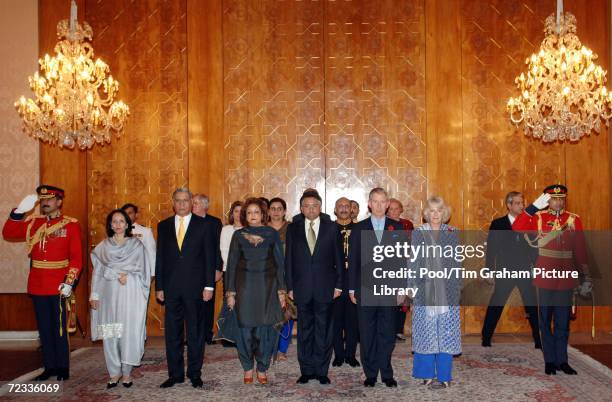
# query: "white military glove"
27,204
586,287
65,290
542,201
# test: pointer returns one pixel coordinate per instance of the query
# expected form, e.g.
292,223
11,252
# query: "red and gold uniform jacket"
54,247
560,242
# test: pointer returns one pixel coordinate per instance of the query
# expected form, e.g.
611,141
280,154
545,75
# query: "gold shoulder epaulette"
574,215
71,219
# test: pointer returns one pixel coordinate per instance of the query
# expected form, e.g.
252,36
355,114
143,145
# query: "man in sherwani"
313,270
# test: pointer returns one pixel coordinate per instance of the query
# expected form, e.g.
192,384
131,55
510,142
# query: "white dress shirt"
186,220
315,227
512,218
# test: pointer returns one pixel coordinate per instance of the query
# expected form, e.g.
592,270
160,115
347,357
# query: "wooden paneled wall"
235,97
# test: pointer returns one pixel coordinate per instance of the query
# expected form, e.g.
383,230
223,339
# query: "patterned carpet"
506,372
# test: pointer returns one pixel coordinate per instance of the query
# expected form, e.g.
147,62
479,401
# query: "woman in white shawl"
119,295
436,326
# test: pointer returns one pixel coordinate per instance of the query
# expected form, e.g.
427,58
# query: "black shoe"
537,343
352,362
170,382
337,362
197,382
550,368
111,384
369,382
304,379
63,374
567,369
127,384
210,342
390,382
324,380
486,343
44,376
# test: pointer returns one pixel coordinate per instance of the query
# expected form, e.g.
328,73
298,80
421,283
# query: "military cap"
556,190
45,191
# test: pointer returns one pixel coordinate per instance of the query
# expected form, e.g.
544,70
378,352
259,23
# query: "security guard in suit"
53,242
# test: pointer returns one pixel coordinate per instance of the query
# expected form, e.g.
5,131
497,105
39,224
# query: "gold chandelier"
563,94
74,96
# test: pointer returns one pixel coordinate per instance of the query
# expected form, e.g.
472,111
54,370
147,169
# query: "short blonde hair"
438,203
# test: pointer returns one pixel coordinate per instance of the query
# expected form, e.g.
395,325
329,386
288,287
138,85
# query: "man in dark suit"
377,317
200,207
313,270
508,249
184,280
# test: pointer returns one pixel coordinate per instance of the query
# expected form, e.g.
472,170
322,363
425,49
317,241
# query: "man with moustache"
54,245
562,247
346,329
201,204
184,280
376,316
354,211
313,270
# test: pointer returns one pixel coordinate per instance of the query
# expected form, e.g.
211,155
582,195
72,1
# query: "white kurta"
145,235
122,309
224,244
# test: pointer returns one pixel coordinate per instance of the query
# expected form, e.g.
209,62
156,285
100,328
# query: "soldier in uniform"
53,241
346,328
561,250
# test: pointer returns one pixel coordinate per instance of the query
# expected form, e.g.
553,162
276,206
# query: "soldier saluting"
561,246
53,242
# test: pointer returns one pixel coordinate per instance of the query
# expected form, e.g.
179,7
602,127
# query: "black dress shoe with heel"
369,382
390,382
352,362
567,369
337,362
197,382
550,368
46,374
63,374
324,380
304,379
170,382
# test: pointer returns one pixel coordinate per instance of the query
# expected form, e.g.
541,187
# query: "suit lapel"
321,223
172,234
188,231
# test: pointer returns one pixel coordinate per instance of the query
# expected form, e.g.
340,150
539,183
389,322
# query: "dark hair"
130,205
279,200
265,201
310,194
262,207
109,223
230,214
353,201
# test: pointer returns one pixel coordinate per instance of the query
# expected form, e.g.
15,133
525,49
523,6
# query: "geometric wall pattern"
341,96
